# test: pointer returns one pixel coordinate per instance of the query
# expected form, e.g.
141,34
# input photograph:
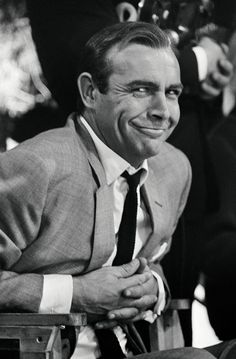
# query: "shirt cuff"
149,315
57,294
161,302
201,57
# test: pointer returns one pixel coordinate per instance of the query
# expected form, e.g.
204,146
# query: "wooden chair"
34,336
30,336
166,332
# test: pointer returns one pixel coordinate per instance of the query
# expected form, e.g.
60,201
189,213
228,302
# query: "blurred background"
26,103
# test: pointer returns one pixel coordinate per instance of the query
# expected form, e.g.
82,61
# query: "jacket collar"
104,236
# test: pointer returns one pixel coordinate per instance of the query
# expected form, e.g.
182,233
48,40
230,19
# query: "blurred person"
22,85
200,31
62,197
218,258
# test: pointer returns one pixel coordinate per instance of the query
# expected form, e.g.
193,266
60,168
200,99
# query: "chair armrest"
36,319
166,332
36,335
180,304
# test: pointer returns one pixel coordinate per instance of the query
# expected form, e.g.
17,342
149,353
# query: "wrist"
78,298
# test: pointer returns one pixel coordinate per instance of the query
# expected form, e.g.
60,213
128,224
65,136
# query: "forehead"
136,61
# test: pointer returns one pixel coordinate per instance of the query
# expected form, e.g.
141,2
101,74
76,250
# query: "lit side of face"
140,109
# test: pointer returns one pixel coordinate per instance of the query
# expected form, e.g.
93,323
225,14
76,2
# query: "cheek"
135,108
175,113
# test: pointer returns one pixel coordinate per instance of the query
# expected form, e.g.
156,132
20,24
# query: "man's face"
140,109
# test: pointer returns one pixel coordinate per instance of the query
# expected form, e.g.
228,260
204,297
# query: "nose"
159,109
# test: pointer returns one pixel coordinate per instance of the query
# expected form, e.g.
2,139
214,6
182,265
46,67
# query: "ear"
87,89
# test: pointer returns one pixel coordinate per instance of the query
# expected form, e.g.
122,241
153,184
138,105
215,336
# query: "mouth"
151,131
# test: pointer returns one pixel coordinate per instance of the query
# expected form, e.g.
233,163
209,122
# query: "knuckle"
128,313
143,278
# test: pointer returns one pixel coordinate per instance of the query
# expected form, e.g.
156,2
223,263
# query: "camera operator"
200,30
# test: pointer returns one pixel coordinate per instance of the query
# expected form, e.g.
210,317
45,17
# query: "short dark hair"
95,59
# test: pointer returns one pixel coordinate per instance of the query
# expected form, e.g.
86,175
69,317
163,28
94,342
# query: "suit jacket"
56,211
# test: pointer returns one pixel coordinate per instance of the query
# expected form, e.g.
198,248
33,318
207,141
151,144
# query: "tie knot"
133,180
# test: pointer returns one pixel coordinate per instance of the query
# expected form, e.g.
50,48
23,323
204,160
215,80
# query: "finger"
133,15
123,314
225,48
138,291
108,324
143,265
141,304
209,90
138,317
136,280
226,67
128,269
219,81
126,12
145,302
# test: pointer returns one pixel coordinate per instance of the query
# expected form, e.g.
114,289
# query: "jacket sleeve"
187,179
189,68
23,188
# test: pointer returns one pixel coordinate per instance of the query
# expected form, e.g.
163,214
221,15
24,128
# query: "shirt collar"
113,164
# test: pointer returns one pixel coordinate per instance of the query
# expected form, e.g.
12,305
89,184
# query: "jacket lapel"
154,204
104,236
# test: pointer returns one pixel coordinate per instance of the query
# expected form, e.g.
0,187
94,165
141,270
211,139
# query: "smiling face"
140,109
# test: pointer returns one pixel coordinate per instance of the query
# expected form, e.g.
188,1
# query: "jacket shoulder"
55,152
170,159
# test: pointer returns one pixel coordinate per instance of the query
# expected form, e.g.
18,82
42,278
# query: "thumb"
143,265
128,269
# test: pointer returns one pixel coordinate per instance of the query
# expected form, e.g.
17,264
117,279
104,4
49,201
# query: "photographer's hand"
218,80
126,12
219,68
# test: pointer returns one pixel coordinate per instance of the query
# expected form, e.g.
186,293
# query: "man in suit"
62,194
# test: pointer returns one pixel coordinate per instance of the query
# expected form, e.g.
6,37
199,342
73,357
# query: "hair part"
95,60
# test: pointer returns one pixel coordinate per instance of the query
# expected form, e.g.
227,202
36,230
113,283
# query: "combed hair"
95,60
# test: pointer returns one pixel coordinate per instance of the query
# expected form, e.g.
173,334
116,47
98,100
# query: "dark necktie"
127,229
108,342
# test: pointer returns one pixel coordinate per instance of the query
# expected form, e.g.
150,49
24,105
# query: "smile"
151,132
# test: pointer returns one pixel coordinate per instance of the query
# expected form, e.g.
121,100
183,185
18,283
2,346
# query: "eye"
174,93
141,91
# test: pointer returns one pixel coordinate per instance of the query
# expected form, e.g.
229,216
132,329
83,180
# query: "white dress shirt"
58,289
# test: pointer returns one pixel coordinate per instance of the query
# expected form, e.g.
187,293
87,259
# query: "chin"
146,151
152,152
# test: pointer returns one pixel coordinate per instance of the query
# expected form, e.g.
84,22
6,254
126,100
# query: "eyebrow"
142,83
178,86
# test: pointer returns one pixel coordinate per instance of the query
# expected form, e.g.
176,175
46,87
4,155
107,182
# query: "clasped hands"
115,294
